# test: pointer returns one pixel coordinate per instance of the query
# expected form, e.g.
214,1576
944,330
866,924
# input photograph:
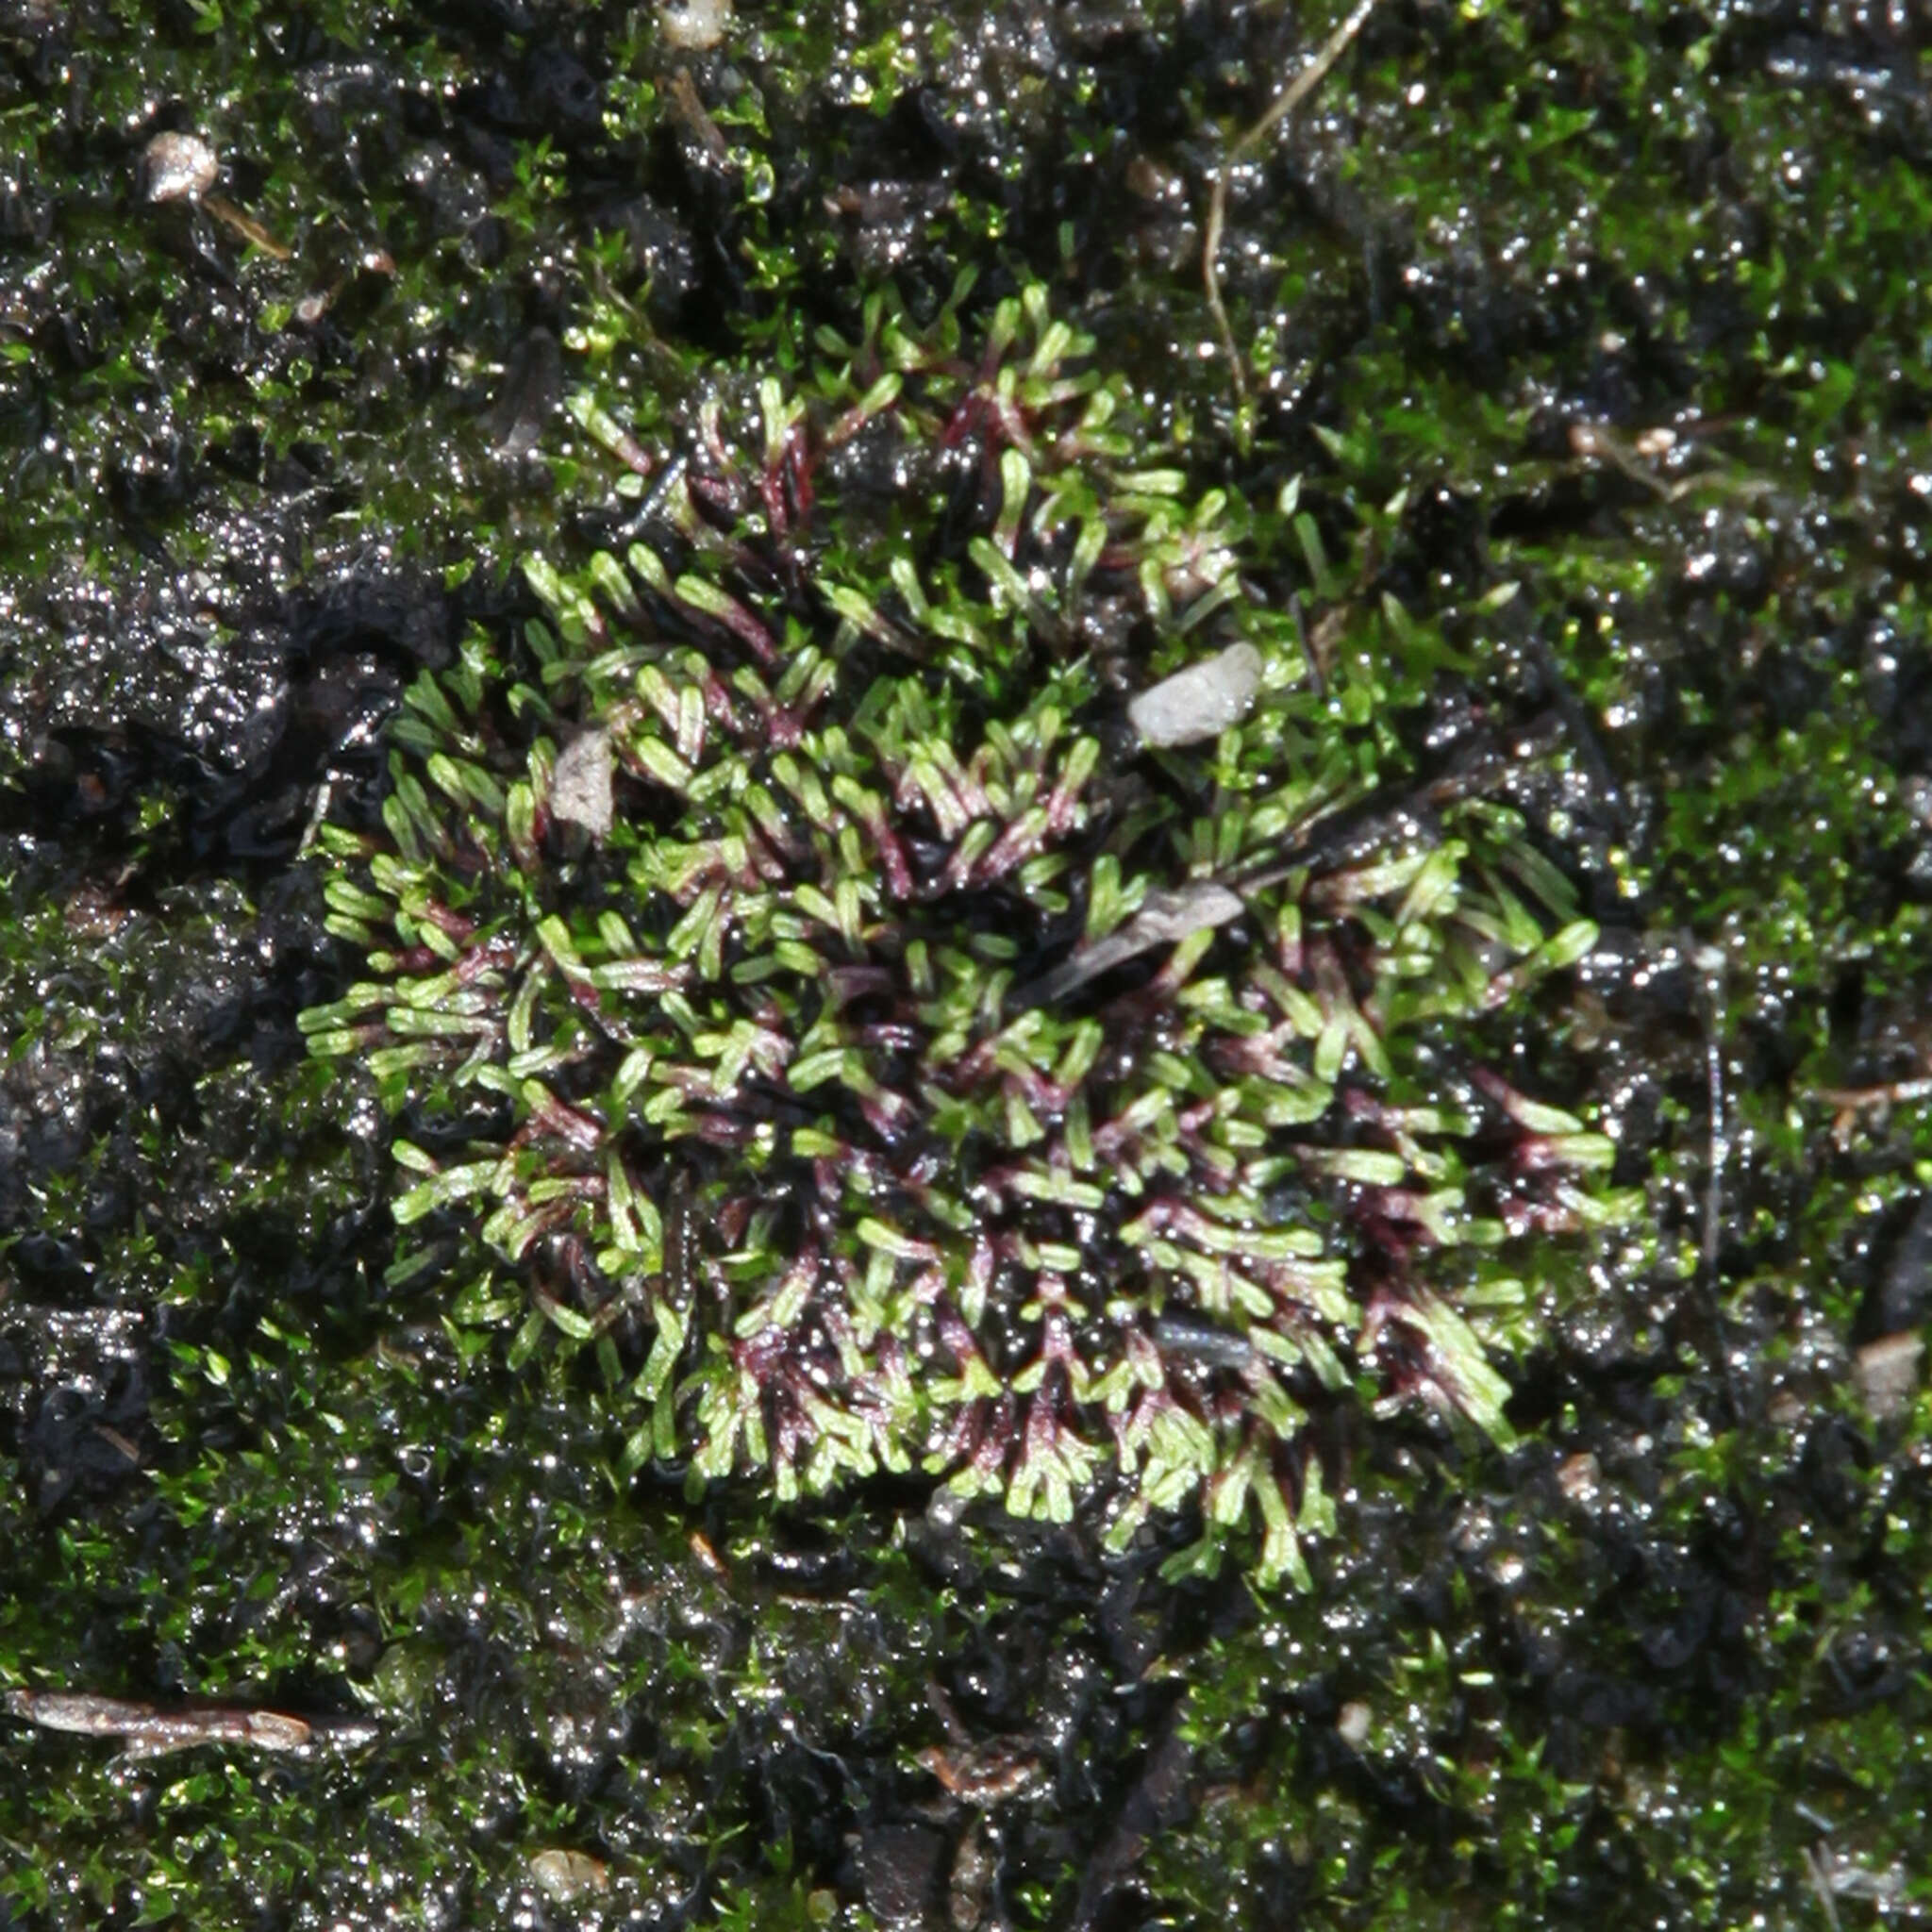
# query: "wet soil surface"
1621,307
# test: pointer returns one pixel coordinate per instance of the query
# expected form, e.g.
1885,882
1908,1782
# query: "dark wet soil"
1620,305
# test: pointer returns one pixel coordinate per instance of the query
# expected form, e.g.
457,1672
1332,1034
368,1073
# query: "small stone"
1578,1478
1888,1371
1200,701
899,1873
696,26
177,167
566,1876
581,792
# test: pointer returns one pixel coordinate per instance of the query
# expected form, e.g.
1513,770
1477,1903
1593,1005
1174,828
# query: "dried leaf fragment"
1163,919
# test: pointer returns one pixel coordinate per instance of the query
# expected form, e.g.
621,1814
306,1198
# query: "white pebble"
580,790
178,167
695,26
1888,1372
1200,701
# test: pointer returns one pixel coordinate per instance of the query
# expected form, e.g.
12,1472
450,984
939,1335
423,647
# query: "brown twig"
1892,1093
147,1729
1848,1103
1292,96
245,225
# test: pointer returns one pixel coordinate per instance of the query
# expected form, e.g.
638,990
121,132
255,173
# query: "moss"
1614,305
817,990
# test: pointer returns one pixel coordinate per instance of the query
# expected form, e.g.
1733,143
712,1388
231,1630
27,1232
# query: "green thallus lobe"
840,1019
